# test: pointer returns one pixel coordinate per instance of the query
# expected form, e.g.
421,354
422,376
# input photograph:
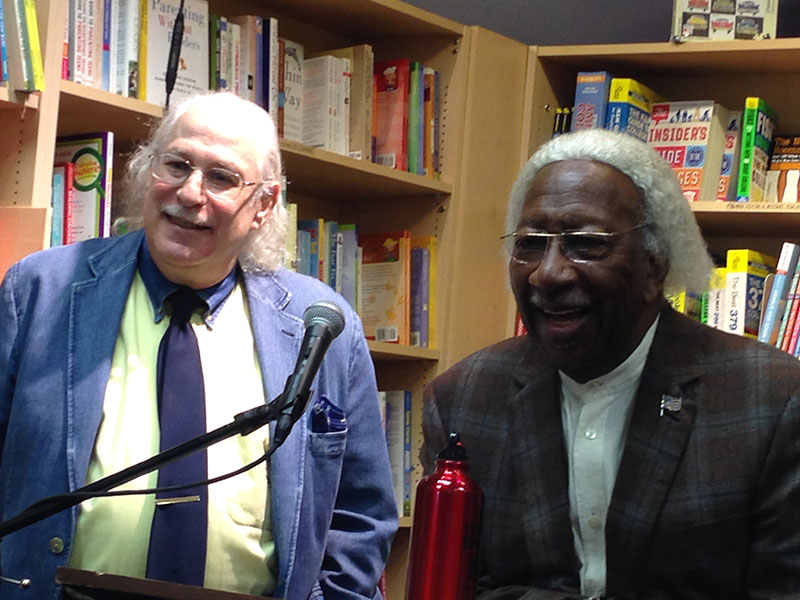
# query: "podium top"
104,586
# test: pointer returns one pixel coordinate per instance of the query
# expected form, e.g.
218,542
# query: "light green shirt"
112,534
595,416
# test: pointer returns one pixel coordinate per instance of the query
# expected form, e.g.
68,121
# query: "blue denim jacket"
333,510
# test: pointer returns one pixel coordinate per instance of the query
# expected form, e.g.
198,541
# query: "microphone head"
325,313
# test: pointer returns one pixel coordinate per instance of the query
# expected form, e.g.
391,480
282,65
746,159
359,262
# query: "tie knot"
184,302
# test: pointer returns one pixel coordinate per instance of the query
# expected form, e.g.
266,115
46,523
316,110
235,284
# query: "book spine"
258,71
69,204
141,91
281,124
407,462
19,62
787,262
271,65
3,46
108,7
591,100
57,205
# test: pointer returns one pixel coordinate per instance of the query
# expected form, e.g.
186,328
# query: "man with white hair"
625,450
105,359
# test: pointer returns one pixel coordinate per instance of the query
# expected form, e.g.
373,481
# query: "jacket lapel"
538,453
278,336
653,451
96,306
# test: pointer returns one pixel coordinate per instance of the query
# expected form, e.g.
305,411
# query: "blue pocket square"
327,417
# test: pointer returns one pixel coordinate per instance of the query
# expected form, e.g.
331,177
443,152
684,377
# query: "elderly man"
91,381
625,450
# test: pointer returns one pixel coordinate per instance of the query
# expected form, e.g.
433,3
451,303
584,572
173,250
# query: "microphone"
323,321
174,53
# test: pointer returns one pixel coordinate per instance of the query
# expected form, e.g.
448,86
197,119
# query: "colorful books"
26,72
746,270
758,129
687,303
155,28
691,137
776,301
398,439
251,56
348,263
730,157
385,286
391,137
93,157
630,104
316,253
591,100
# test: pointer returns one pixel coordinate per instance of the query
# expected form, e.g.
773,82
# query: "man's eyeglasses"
218,182
529,247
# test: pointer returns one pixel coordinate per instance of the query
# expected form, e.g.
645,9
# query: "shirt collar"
159,287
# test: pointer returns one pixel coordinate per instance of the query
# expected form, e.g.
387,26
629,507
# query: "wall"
549,22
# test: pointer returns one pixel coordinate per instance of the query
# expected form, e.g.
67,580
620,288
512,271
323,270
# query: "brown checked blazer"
707,498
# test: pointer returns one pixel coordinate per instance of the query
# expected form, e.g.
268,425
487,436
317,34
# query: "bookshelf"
723,71
481,116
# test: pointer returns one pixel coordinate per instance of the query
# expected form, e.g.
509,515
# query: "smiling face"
588,316
195,238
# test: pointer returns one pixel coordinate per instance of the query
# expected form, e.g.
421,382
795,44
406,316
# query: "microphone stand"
243,423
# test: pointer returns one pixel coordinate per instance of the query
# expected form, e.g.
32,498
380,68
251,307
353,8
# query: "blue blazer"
333,510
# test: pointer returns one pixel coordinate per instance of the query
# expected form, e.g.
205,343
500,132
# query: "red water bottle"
443,558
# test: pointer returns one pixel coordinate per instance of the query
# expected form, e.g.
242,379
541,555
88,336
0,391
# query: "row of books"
388,277
20,47
716,153
82,192
396,416
339,100
755,294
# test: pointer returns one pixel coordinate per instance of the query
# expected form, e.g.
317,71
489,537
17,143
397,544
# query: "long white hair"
673,234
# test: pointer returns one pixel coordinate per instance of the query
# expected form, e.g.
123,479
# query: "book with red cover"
391,137
385,286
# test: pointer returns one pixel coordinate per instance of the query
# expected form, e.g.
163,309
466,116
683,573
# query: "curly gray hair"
265,248
673,235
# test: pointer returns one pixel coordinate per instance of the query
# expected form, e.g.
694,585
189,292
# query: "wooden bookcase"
482,83
723,71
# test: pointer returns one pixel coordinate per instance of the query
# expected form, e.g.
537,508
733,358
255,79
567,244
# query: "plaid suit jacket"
707,498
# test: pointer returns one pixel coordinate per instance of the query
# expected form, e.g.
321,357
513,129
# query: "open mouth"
185,224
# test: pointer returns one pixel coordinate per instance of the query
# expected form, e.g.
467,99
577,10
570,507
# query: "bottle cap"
455,449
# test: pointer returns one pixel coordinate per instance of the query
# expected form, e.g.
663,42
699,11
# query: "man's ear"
267,197
657,269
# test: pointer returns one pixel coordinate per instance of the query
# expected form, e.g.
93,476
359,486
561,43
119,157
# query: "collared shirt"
240,551
595,416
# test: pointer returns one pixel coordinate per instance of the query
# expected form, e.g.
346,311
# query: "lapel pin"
671,404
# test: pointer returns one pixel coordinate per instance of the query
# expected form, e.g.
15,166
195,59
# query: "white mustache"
184,214
573,300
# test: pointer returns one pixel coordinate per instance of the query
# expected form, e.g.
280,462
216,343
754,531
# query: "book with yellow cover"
630,104
385,285
744,290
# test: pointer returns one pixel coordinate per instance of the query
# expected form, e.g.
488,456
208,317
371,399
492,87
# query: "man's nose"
554,268
191,191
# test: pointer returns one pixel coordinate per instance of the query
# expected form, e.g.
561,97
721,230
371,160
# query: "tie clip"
672,404
176,500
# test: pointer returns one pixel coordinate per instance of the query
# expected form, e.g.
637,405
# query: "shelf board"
315,172
84,108
376,18
754,219
386,352
8,101
405,522
741,56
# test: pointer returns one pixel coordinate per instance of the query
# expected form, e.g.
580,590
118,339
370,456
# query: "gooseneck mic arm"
323,320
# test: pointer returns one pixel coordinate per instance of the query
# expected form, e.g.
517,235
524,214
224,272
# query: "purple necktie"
178,537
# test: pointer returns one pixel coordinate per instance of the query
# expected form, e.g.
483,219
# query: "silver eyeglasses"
529,247
217,181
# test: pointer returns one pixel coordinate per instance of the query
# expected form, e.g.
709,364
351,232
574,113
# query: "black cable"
174,53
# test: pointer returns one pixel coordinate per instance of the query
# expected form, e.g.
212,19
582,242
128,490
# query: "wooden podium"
102,586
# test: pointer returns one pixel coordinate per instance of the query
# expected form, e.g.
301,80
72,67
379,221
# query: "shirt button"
56,545
595,522
590,434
